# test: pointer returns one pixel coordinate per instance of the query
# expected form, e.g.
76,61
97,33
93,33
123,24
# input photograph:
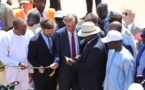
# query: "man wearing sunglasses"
128,18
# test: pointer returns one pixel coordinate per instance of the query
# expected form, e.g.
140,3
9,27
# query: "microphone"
12,85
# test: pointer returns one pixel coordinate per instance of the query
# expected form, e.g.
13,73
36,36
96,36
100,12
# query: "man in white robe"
13,53
120,63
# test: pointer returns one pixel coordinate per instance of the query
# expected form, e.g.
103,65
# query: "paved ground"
79,7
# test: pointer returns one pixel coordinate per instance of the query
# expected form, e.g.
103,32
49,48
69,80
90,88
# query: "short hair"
17,22
102,6
35,15
91,17
131,9
46,23
40,0
70,17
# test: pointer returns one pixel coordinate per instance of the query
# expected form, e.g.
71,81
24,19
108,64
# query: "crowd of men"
44,49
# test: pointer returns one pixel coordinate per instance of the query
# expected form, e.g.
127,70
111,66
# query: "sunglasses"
125,13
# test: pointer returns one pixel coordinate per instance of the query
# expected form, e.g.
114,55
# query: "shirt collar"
130,25
69,33
107,17
44,11
45,37
91,40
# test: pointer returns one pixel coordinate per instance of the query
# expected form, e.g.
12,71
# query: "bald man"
13,53
128,42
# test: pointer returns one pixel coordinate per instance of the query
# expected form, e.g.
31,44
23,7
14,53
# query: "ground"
79,7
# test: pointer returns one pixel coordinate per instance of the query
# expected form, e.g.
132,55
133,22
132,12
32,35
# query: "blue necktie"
50,44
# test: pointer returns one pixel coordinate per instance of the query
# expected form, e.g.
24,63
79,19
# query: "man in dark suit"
92,65
40,54
67,43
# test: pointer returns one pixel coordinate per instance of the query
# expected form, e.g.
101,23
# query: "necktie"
50,44
73,46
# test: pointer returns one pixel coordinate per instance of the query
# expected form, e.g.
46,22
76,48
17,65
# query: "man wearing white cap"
120,65
135,86
59,19
92,65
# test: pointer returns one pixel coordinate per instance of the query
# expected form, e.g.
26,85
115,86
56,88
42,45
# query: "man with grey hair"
92,65
128,18
66,43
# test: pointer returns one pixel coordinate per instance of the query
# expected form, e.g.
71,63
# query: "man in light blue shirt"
103,14
120,65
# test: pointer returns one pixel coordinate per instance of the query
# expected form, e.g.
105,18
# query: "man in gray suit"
129,15
128,18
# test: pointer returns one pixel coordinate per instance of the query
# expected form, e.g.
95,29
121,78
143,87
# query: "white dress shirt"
76,42
129,27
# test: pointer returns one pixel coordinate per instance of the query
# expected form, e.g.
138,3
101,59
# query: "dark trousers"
45,82
55,4
66,83
90,5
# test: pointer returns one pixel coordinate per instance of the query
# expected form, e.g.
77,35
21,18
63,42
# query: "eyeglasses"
125,13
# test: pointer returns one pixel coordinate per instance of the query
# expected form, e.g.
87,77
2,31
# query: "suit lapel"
66,43
87,48
79,39
42,42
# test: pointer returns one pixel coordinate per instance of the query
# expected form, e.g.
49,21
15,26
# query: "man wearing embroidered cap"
120,66
92,65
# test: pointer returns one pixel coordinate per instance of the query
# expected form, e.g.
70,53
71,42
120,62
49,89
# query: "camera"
10,86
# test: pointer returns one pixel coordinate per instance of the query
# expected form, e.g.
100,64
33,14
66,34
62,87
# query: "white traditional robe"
14,49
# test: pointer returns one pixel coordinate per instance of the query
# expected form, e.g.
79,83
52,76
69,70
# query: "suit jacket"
135,29
39,54
92,67
62,48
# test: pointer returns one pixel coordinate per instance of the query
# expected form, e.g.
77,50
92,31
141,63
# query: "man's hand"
22,66
68,61
54,65
30,77
78,58
41,69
